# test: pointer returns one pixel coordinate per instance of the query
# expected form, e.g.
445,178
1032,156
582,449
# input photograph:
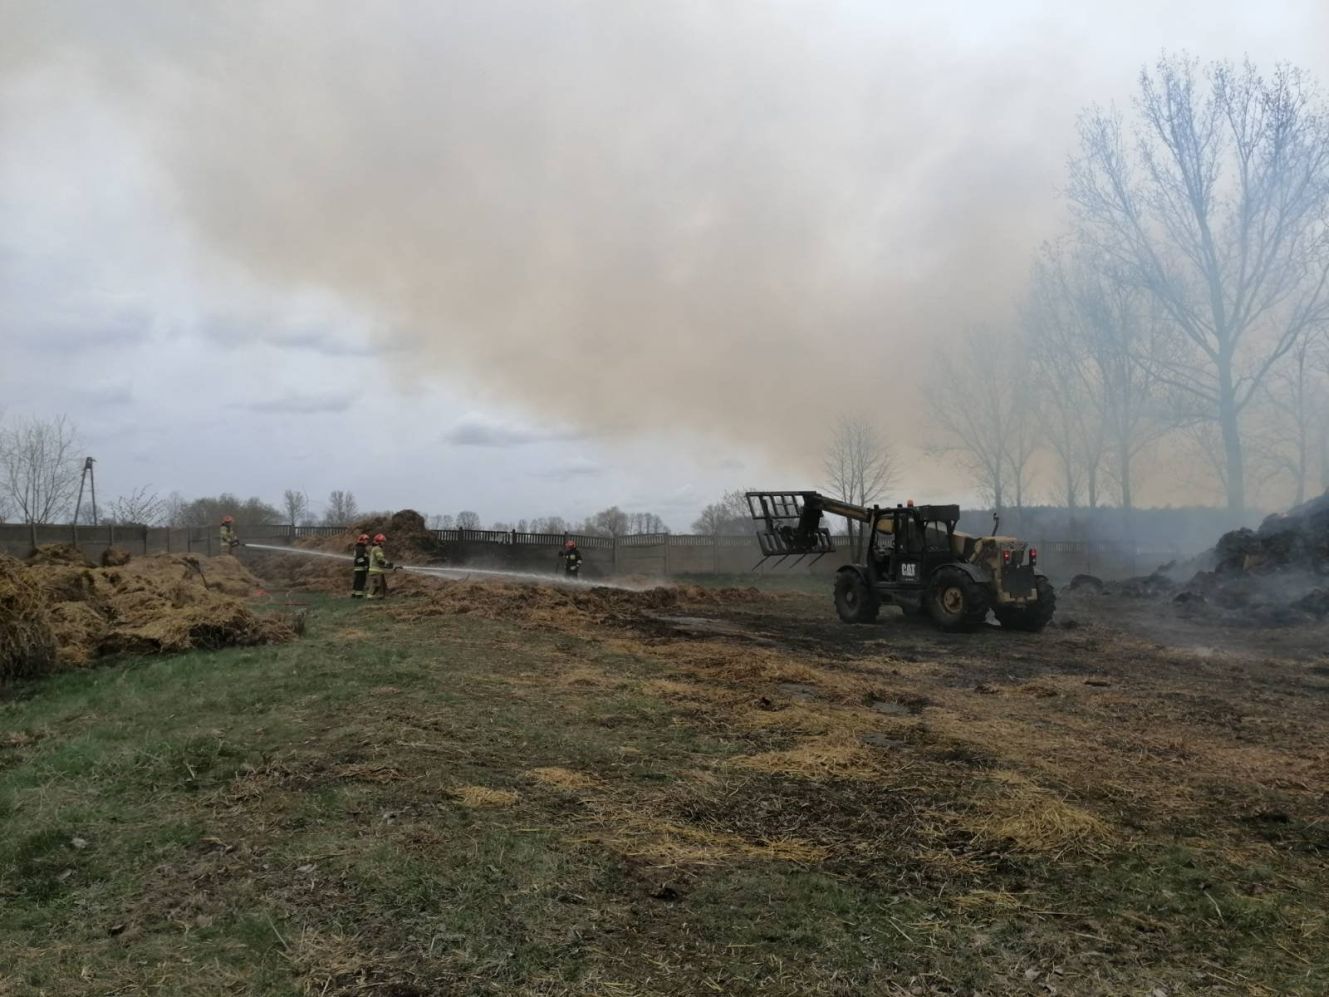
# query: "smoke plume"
729,218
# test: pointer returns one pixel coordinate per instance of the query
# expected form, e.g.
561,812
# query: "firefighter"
360,573
571,559
228,540
378,566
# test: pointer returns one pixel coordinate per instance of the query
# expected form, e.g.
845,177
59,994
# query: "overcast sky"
535,258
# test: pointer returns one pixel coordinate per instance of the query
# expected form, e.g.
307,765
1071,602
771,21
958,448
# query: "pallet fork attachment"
789,525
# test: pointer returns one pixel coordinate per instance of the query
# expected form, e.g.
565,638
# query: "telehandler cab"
913,558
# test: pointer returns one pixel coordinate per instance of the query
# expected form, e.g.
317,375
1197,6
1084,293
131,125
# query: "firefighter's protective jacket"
378,561
361,559
228,538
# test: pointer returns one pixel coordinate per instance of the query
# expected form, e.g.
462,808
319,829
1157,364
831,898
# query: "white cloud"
475,429
299,405
577,467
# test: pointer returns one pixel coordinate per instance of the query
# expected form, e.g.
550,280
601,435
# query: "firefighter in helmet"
379,565
360,569
228,541
571,558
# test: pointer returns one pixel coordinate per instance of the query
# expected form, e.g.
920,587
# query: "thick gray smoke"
716,215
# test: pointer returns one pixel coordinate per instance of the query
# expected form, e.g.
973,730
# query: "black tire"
955,601
1031,619
854,599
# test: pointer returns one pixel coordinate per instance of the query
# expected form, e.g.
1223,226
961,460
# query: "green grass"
284,820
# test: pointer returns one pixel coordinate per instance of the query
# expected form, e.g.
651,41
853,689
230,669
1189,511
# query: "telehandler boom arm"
791,521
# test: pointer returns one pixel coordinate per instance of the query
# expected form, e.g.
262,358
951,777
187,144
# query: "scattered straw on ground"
482,796
1034,819
831,757
563,778
988,900
667,842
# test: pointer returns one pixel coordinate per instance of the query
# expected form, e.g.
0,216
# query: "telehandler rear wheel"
854,599
955,601
1034,617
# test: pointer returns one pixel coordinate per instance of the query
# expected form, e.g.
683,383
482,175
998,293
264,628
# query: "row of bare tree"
1183,313
611,522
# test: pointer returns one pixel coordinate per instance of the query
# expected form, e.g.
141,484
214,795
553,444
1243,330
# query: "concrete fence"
652,555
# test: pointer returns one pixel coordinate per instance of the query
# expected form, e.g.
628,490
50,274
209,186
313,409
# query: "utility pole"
89,478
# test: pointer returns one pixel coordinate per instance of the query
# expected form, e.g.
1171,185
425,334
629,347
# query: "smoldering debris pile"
58,600
1276,574
409,538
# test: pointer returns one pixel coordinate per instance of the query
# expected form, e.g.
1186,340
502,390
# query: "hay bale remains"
66,554
27,643
116,557
149,605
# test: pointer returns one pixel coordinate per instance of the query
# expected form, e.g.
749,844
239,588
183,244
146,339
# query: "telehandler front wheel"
955,601
854,599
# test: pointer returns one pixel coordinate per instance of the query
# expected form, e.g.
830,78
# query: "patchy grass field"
732,795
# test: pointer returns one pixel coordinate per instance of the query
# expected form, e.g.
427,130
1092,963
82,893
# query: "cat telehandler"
913,558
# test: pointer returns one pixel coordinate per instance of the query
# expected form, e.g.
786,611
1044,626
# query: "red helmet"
570,545
228,519
363,538
379,538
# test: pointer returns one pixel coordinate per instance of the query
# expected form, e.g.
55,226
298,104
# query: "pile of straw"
71,613
27,642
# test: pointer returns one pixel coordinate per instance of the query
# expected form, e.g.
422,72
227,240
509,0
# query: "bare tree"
467,520
641,523
550,524
1322,364
40,469
859,465
173,509
1216,204
295,504
342,509
1096,343
209,510
611,522
437,522
1296,406
141,507
988,419
730,515
1069,392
